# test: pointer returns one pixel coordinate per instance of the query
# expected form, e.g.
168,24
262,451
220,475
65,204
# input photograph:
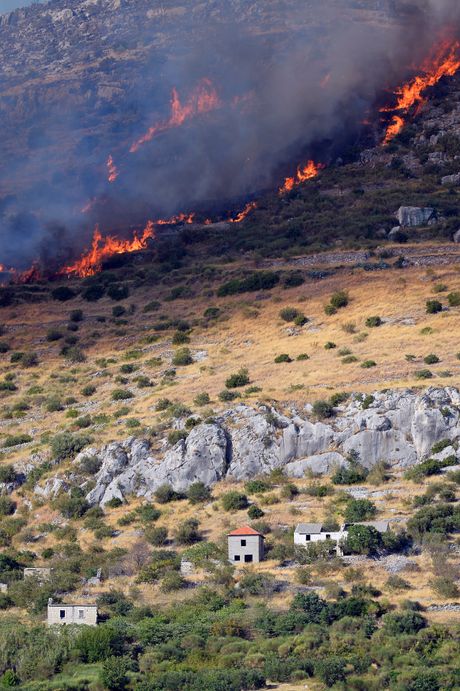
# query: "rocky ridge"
399,427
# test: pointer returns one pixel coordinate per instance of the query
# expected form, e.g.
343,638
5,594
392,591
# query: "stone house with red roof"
245,546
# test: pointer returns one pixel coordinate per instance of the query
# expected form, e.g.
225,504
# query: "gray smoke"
295,79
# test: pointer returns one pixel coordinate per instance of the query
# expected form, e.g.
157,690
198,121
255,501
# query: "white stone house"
306,533
62,614
245,546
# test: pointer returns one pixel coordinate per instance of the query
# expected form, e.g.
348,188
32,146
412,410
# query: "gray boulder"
449,180
322,464
414,216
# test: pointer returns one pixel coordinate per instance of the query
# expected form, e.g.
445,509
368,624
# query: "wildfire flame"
203,99
104,247
445,64
308,172
244,213
112,170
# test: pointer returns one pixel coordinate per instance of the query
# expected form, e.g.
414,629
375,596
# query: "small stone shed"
245,546
63,614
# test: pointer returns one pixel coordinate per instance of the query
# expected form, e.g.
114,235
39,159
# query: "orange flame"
175,220
243,214
445,64
308,172
103,248
203,99
112,170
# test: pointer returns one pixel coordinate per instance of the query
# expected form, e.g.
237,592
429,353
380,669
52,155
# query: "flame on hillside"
308,172
203,99
445,63
104,247
239,218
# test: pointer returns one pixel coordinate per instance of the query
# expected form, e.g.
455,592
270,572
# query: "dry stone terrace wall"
399,427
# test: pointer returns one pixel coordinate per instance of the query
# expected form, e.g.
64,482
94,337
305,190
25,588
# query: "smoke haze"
294,79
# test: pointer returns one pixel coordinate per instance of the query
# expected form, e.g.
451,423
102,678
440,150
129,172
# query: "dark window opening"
307,538
243,543
62,613
236,557
328,537
248,557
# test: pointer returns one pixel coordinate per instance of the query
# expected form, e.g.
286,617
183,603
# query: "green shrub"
180,337
362,539
330,345
284,357
288,314
176,435
16,439
182,357
152,306
88,390
256,486
165,494
323,409
454,299
202,399
368,364
339,299
373,322
359,510
29,360
302,356
254,512
234,501
330,310
63,293
114,503
121,395
53,335
7,474
171,582
423,374
198,493
118,292
7,506
433,306
431,359
93,293
211,313
187,532
260,280
445,587
157,536
226,396
67,445
241,378
114,673
118,311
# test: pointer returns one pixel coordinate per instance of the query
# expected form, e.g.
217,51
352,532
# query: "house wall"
73,614
319,537
254,547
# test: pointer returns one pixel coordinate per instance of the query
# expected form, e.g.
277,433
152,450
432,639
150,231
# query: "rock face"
413,216
398,427
448,180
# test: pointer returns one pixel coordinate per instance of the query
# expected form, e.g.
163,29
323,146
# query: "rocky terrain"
397,427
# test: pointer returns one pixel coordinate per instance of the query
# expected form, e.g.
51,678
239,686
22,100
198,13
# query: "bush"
423,374
241,378
404,623
187,533
256,486
331,670
121,395
16,439
198,493
63,293
88,390
454,299
182,357
445,587
284,357
93,293
368,364
7,506
234,501
202,399
362,539
176,435
260,280
29,360
431,359
339,299
118,311
157,536
171,582
67,445
114,673
330,345
76,316
152,306
226,396
165,494
53,335
180,337
433,306
117,291
288,314
373,322
254,512
359,510
7,474
323,409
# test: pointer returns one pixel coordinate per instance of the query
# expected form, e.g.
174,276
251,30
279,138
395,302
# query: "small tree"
234,501
198,493
359,510
182,357
362,539
187,533
433,306
114,673
241,378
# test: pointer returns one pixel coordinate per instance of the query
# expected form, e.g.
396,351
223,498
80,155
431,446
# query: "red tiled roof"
245,530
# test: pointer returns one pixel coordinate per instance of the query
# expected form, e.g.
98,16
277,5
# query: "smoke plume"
293,80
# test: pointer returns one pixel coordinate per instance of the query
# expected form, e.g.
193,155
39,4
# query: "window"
307,538
81,614
62,614
328,537
248,557
243,543
236,557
